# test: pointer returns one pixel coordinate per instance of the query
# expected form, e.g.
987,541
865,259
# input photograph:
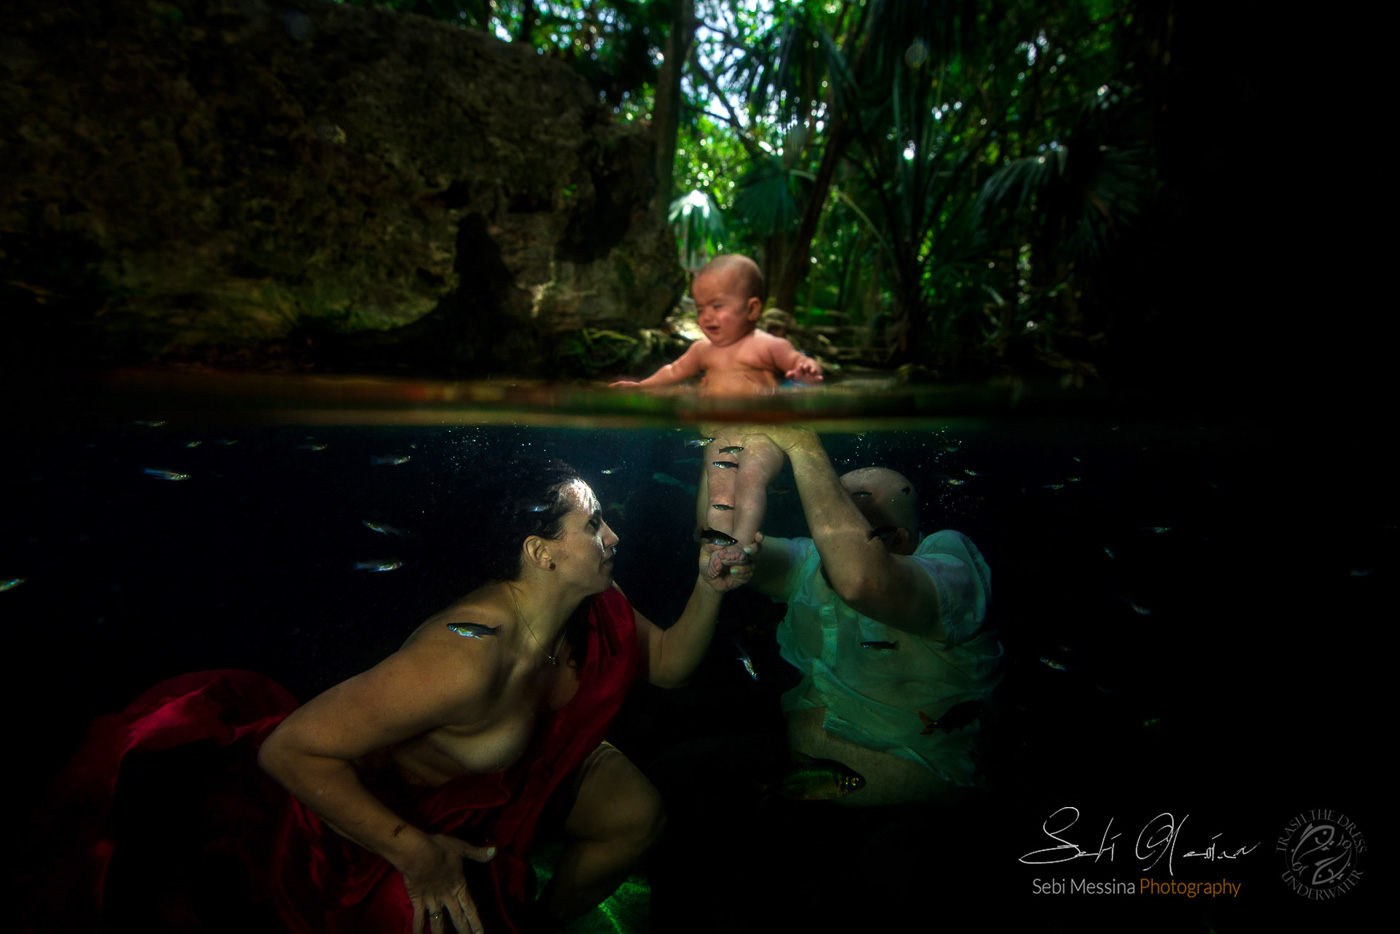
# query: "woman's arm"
670,656
312,754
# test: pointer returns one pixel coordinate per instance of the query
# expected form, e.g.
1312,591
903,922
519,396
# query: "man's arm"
683,369
892,589
772,562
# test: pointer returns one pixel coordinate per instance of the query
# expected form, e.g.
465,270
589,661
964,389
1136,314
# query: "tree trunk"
799,257
666,112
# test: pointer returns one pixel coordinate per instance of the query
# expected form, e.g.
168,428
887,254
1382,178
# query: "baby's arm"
794,364
683,369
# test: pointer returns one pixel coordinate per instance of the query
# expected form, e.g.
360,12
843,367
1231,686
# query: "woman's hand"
436,884
727,568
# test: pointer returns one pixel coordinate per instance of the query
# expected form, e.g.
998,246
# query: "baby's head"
728,293
740,271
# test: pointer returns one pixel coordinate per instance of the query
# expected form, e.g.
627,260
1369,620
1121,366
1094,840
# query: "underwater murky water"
1180,608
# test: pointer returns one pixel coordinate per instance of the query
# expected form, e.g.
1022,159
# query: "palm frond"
766,198
699,225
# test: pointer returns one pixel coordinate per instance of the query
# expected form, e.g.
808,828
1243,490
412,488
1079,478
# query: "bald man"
887,628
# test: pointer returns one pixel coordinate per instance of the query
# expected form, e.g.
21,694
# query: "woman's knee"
640,814
617,802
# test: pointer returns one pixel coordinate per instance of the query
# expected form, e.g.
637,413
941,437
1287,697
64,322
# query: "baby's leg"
759,462
719,494
722,483
738,470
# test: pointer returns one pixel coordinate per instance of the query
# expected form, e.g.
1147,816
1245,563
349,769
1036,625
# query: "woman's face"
584,550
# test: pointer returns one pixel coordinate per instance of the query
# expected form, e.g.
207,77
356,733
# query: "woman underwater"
440,762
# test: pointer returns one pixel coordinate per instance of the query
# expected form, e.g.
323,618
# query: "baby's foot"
725,557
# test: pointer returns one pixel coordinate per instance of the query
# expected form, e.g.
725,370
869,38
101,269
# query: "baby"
735,359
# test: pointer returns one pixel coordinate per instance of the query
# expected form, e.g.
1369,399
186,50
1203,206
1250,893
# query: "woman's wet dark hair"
512,498
524,498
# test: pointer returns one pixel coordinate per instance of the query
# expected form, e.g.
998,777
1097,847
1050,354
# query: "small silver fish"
380,528
717,538
1157,529
721,506
472,630
698,442
312,447
161,474
880,646
955,482
193,444
394,461
732,449
378,565
1054,486
727,465
148,424
12,583
743,659
1050,662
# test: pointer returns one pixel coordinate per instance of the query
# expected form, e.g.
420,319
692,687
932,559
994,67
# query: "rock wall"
252,182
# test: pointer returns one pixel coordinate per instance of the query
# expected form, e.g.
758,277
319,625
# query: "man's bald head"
885,497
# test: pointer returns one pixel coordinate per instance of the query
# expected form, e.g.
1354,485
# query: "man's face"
725,314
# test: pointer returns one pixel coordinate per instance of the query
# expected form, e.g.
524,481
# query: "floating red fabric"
320,882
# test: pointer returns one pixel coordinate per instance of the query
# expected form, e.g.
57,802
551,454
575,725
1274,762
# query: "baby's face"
726,314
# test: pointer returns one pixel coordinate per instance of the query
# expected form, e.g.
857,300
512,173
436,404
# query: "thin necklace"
553,660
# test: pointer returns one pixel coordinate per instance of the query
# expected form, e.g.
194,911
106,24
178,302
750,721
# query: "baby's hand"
807,370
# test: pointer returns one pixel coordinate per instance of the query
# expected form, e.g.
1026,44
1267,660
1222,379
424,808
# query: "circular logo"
1321,850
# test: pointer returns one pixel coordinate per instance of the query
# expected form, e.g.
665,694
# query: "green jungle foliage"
950,179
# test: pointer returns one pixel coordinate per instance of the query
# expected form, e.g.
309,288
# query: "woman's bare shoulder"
454,661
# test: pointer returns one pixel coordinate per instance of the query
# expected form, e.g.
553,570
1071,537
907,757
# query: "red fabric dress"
320,882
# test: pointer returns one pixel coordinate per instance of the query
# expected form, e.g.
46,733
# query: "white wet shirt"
873,694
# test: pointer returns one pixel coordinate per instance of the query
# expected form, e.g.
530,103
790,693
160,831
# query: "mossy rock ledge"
311,186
